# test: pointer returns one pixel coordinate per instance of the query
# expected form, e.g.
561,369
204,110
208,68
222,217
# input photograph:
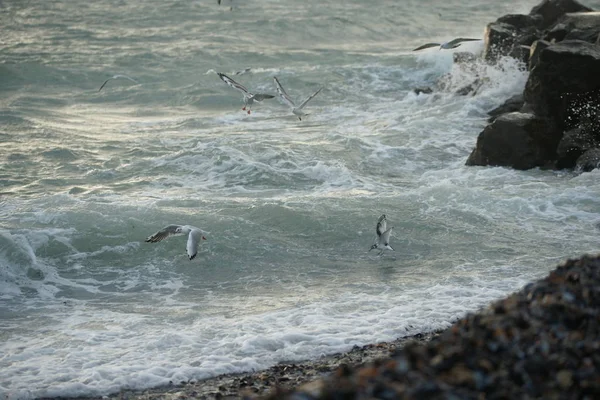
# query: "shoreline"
283,376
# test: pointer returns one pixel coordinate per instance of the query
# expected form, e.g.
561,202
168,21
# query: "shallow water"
88,308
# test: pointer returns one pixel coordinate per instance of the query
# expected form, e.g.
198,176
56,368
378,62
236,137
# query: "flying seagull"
249,98
383,236
195,235
454,43
296,110
243,71
117,77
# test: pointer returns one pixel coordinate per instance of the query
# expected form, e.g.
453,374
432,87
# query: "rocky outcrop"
513,104
563,88
535,51
576,26
575,142
508,34
551,11
565,84
516,140
588,161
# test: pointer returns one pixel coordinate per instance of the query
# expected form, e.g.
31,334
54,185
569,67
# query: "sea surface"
88,308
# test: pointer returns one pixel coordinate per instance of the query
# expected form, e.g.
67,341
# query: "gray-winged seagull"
195,235
249,98
382,241
296,110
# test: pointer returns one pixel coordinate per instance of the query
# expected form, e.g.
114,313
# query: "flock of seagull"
250,98
197,235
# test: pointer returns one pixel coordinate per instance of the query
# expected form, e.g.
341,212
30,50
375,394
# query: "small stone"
565,378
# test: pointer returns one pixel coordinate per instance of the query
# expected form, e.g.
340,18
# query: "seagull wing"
262,96
385,237
381,225
457,42
242,72
283,94
195,236
426,46
117,77
301,106
164,233
125,77
105,82
233,84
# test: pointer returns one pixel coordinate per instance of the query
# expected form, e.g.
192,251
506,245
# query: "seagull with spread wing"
296,110
249,98
383,236
117,77
452,44
195,235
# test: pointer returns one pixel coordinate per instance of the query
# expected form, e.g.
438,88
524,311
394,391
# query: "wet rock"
588,161
472,88
534,52
423,89
505,36
574,143
576,26
516,140
551,10
514,103
565,85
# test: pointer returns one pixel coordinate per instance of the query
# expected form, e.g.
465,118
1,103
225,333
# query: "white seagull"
296,110
383,236
454,43
195,235
249,98
117,77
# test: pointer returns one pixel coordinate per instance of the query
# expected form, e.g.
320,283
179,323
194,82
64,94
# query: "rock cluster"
542,342
557,119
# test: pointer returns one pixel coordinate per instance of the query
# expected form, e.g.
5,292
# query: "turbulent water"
88,308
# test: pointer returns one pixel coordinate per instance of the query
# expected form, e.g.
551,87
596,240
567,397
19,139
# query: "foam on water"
88,308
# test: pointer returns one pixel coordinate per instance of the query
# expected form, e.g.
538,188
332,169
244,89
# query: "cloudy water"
88,308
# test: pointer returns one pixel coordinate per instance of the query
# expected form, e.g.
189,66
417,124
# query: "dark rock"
513,104
499,39
522,45
505,36
576,26
565,84
472,88
574,143
552,10
588,161
521,21
535,50
516,140
424,89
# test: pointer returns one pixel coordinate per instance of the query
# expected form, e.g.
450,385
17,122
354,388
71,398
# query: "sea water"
88,308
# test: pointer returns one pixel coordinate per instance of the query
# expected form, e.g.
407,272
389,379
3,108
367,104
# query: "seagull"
194,236
230,2
249,98
243,71
454,43
383,236
117,77
295,110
